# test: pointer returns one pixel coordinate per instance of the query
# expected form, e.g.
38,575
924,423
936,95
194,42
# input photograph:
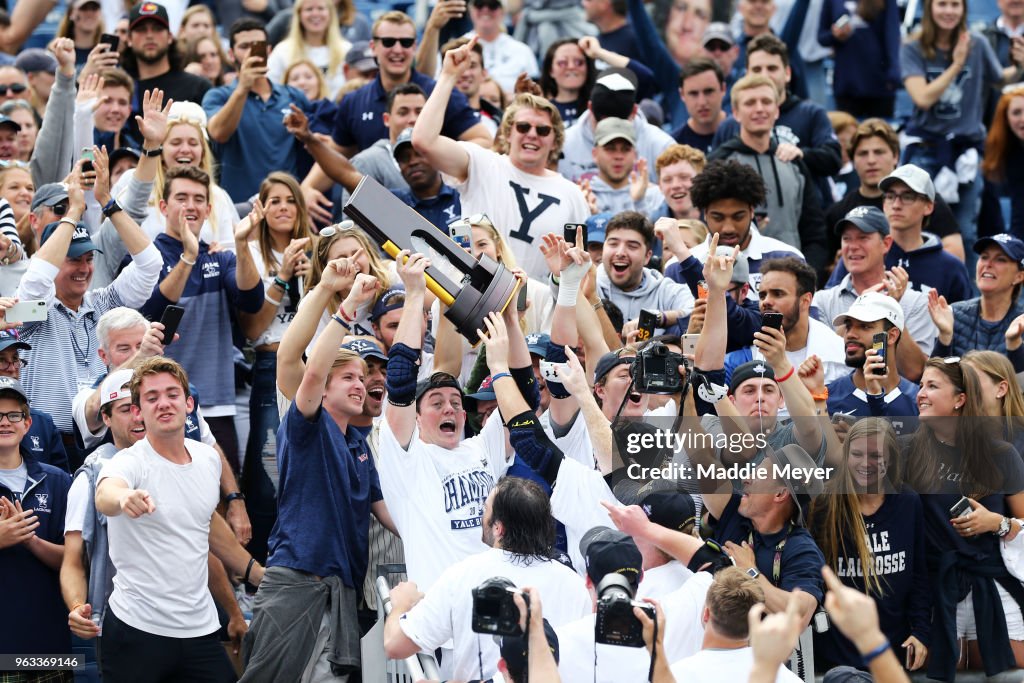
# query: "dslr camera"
616,624
655,370
494,610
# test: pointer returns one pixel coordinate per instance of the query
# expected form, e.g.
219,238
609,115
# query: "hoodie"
929,268
615,201
655,292
792,202
577,152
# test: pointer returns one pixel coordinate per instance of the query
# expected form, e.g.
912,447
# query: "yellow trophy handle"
391,249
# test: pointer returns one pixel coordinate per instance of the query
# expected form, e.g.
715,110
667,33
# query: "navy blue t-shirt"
327,482
685,135
896,540
801,562
439,210
844,398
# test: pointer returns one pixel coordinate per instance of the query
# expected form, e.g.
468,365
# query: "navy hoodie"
929,268
867,64
896,538
742,320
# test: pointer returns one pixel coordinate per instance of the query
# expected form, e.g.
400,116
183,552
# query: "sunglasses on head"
16,88
332,230
524,128
390,42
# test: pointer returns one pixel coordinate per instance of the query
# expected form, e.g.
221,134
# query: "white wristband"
569,285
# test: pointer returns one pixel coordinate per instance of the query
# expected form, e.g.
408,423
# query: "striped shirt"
64,356
10,275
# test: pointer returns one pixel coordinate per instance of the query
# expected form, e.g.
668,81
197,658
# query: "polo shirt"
440,210
261,143
360,119
899,405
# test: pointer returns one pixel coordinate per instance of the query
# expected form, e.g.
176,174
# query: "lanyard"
777,559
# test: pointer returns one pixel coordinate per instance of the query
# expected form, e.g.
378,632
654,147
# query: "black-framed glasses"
16,363
13,416
15,88
903,197
524,127
407,43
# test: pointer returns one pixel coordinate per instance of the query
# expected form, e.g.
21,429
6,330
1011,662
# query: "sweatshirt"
578,151
929,268
792,201
655,292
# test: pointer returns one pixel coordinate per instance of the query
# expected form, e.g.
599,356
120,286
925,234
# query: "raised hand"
549,247
89,91
412,270
667,228
588,194
774,636
853,613
153,122
639,180
495,339
572,374
718,269
962,49
5,303
294,260
101,165
942,315
590,46
190,239
252,69
525,84
812,373
457,61
631,519
1014,332
363,290
340,273
444,11
296,123
64,50
100,57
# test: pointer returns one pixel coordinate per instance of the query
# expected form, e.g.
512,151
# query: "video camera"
494,610
616,624
655,370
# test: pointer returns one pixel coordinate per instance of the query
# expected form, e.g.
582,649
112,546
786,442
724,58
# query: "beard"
154,58
856,362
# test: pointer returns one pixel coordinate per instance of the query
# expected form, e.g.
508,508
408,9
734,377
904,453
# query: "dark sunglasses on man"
389,42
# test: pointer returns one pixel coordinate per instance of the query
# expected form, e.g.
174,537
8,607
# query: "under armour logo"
367,116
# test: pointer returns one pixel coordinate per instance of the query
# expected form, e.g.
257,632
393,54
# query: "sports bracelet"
248,569
495,378
70,222
598,305
187,262
338,319
789,374
874,654
153,152
345,316
280,283
266,295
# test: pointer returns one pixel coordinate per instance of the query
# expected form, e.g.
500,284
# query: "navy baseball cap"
49,194
750,370
538,344
514,651
392,299
404,138
81,242
360,56
123,153
661,501
366,349
9,338
596,225
609,551
1011,246
609,362
485,392
4,121
866,219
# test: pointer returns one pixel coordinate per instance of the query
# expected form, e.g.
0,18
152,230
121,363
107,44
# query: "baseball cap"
10,122
143,11
366,349
9,338
50,194
613,128
9,384
124,153
609,362
36,59
661,500
740,267
871,307
613,94
718,30
485,392
915,177
867,219
755,369
360,56
404,138
438,380
81,242
803,489
392,299
538,344
609,551
113,389
1011,246
514,651
596,227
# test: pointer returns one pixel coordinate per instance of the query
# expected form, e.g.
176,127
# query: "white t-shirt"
447,610
575,502
715,666
683,607
161,581
615,663
658,582
522,206
505,58
436,496
285,312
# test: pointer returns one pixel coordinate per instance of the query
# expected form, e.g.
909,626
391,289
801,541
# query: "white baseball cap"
871,307
114,387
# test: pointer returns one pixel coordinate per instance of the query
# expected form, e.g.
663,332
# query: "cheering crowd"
759,379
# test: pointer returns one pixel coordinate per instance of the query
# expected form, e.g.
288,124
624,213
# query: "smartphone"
843,21
87,159
259,49
27,312
569,233
772,320
702,290
521,300
113,41
648,321
880,343
170,320
962,507
690,344
461,233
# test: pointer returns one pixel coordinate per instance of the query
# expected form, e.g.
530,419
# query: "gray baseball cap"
915,177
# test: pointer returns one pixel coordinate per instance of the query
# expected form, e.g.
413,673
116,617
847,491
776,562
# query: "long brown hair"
299,230
319,260
976,447
1000,138
928,35
836,517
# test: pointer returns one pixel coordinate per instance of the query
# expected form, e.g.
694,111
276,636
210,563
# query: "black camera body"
494,610
655,370
616,624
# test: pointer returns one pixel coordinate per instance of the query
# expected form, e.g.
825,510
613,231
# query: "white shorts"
966,628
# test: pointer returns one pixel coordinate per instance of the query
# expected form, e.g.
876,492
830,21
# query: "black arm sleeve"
532,445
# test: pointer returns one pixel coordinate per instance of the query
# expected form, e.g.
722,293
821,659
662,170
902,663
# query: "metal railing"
415,668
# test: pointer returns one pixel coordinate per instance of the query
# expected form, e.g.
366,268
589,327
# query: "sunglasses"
332,230
16,88
407,43
480,219
717,46
523,128
59,209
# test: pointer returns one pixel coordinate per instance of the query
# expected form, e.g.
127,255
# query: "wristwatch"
111,208
753,573
1004,527
237,495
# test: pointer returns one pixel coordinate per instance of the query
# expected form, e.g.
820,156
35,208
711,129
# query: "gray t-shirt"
959,111
16,480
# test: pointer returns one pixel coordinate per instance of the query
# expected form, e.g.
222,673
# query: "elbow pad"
532,445
712,555
403,368
555,355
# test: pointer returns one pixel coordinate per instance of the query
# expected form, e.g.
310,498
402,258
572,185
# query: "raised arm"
574,379
926,93
331,163
404,355
443,12
772,345
223,124
442,152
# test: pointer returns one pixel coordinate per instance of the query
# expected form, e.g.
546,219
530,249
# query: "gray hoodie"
577,152
656,293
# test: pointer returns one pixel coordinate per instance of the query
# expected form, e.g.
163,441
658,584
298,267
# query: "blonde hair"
538,103
294,45
320,259
500,245
321,88
749,82
205,164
